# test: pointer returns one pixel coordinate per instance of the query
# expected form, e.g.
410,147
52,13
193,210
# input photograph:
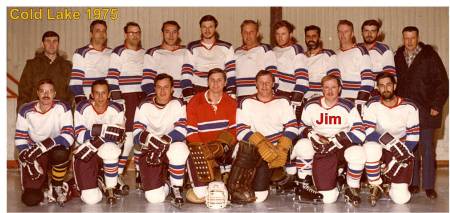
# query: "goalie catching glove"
283,146
398,148
108,132
156,147
266,149
36,150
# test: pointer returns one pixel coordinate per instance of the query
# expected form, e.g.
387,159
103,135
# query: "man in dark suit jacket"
422,77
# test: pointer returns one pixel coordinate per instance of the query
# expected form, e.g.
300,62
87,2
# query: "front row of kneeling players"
202,139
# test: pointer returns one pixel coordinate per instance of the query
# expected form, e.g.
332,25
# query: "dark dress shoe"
413,189
431,193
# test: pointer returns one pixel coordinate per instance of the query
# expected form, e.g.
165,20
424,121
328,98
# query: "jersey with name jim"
330,120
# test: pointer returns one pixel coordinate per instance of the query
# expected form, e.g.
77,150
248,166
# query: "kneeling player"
329,125
392,123
99,127
44,134
160,128
266,128
211,125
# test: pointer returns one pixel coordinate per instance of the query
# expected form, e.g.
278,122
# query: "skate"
286,185
121,188
176,196
58,194
110,196
305,193
375,194
351,195
138,181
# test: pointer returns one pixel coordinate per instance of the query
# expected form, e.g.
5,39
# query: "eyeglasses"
134,33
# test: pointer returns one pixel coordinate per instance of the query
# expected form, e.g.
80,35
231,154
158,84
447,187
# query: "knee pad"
178,153
261,196
399,193
109,151
91,196
59,155
355,157
32,197
200,191
155,195
373,151
330,196
303,149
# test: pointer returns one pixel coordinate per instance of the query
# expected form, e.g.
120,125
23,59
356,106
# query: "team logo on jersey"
328,119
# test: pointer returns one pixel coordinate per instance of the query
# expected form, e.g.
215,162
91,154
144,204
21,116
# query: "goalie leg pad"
200,163
91,196
262,177
32,197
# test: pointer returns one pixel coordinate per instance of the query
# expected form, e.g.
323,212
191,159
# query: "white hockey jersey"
35,126
89,65
158,60
272,119
160,120
199,60
292,74
356,71
318,66
382,59
401,121
125,70
330,120
86,116
249,63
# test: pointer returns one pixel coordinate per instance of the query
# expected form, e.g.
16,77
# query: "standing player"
99,128
124,79
355,66
160,127
329,125
166,58
91,62
44,134
293,77
211,126
252,57
205,54
266,129
392,123
319,61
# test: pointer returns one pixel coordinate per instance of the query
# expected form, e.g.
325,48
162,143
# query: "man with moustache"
91,62
319,61
165,58
266,127
205,54
49,63
44,135
329,127
392,129
422,78
125,79
252,57
355,66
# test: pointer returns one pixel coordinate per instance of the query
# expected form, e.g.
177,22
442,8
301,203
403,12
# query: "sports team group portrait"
217,124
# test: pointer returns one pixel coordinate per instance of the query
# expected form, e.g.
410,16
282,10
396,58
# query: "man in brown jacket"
47,64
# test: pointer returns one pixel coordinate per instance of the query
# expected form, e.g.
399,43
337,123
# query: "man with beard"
124,79
165,58
355,66
422,78
91,62
48,63
252,57
319,61
392,129
44,134
205,54
381,56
